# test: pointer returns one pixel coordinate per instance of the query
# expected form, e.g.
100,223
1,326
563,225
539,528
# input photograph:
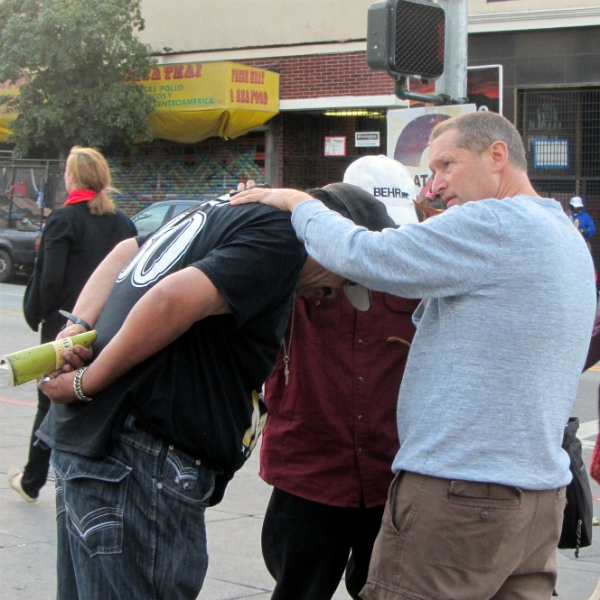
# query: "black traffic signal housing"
406,38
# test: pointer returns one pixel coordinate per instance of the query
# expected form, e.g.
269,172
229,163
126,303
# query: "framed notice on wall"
550,153
335,146
367,139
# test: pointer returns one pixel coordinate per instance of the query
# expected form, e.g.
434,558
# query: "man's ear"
498,153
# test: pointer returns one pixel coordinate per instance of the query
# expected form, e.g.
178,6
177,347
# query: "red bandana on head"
80,196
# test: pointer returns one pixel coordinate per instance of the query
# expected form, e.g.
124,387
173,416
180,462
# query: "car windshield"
150,219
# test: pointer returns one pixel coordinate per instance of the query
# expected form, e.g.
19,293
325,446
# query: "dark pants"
131,525
35,472
307,546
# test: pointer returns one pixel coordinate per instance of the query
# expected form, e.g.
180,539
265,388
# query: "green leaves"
77,56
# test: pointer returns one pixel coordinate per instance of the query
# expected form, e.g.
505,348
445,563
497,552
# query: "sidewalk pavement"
28,539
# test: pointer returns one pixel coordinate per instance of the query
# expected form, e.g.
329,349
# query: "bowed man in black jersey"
147,435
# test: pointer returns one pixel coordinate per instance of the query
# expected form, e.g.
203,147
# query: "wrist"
296,199
70,329
78,386
90,381
72,319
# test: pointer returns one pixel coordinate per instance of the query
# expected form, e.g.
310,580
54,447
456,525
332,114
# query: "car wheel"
6,267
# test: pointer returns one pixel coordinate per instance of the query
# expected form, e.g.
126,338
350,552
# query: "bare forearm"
165,312
159,318
283,199
137,340
96,291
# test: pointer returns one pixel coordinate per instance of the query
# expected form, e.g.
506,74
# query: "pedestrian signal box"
406,38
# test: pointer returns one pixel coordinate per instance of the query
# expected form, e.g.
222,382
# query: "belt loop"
130,423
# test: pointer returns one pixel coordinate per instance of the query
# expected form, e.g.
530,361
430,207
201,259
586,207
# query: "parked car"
149,219
21,223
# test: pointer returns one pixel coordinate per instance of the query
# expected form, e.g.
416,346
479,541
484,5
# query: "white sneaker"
14,480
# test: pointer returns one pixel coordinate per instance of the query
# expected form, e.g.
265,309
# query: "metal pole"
404,94
453,82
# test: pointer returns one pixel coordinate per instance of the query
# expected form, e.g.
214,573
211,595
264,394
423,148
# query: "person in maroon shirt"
331,435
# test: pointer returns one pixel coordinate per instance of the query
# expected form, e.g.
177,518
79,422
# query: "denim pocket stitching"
59,498
182,472
174,471
84,484
80,529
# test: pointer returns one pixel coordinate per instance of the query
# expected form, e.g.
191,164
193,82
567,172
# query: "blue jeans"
131,525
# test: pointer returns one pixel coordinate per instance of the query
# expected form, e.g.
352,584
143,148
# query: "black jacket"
74,243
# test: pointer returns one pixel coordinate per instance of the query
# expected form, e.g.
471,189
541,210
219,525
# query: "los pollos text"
163,97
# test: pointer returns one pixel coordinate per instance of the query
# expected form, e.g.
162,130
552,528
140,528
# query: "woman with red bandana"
75,240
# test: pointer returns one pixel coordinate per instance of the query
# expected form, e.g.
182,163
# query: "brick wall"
164,170
317,75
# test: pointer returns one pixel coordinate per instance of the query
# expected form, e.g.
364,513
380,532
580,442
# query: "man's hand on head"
283,199
241,186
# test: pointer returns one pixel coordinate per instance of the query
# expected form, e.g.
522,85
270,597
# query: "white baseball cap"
576,202
389,181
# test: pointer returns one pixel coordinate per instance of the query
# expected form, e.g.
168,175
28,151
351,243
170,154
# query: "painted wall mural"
163,171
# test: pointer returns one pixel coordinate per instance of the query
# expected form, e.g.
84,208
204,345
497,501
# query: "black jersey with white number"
200,392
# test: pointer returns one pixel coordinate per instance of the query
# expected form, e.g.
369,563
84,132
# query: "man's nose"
437,184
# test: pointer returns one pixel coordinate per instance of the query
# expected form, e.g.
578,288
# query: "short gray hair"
479,130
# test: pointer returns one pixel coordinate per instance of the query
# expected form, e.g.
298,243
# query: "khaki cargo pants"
458,540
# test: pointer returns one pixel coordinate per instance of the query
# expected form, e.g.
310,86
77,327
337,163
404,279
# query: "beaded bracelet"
77,386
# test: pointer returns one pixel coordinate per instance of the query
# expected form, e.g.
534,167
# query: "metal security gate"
305,165
564,188
29,191
163,170
561,133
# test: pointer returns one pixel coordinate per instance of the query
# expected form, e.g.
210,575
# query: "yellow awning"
194,101
4,130
7,89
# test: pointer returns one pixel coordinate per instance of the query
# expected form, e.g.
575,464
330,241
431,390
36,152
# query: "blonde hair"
90,171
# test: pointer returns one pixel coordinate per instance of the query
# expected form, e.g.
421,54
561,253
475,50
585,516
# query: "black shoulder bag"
31,301
577,523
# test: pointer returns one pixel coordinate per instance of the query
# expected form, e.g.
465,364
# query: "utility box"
406,38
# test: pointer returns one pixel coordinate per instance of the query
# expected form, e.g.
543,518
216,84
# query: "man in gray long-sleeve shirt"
476,508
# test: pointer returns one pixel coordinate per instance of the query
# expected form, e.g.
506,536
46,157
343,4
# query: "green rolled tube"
39,361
